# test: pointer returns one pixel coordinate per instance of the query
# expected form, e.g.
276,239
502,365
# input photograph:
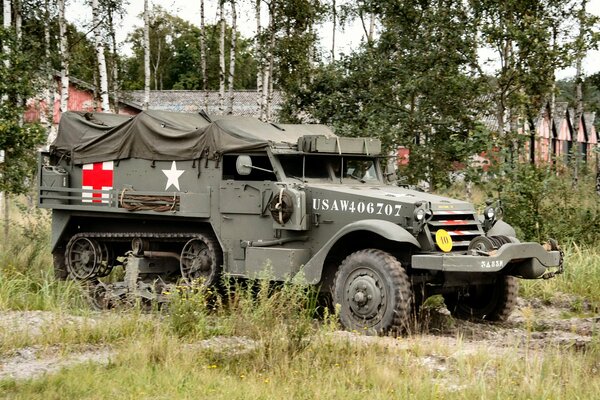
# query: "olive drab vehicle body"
181,197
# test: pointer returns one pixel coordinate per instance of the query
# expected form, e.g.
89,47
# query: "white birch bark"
156,64
578,92
203,55
48,112
334,14
260,101
18,21
232,54
146,55
7,23
100,57
222,56
115,60
268,81
64,57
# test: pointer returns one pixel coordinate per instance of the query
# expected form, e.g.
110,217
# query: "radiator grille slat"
462,227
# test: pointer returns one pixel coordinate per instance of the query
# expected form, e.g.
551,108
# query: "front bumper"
525,260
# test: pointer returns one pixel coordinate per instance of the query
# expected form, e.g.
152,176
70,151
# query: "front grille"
462,226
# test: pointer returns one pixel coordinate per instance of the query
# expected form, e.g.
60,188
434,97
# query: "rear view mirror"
243,165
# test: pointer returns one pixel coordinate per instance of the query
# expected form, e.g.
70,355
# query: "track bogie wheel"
201,260
83,257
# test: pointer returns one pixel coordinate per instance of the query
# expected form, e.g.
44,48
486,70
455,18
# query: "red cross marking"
97,178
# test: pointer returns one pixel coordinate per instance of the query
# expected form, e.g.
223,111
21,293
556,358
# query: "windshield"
327,167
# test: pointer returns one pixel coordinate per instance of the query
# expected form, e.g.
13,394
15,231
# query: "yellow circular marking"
443,240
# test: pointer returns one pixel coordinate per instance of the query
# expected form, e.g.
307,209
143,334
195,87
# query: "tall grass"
26,274
580,281
161,365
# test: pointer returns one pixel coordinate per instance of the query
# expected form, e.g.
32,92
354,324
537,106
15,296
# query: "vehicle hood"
394,194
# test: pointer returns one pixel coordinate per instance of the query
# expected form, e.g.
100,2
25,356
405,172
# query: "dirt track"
533,325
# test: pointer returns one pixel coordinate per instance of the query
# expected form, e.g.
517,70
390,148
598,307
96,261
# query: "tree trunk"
532,142
100,58
156,64
19,36
146,56
7,24
260,101
372,28
334,14
7,16
6,218
203,55
115,60
268,77
51,84
222,56
578,91
18,21
64,58
232,54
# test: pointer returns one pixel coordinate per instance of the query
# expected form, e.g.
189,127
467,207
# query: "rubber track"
400,281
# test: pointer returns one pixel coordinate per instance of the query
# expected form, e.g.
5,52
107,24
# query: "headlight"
489,213
420,214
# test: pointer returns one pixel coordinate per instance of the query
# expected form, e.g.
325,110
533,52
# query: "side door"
243,207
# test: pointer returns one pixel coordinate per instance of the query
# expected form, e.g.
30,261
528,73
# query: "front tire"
373,292
493,302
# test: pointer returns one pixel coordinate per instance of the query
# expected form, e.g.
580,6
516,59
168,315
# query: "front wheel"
373,292
493,302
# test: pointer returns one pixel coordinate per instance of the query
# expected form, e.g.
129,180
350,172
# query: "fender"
314,267
501,228
60,221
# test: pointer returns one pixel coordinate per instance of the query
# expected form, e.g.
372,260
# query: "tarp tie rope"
142,202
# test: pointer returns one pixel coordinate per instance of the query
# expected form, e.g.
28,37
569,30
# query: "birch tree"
203,55
260,99
100,57
6,24
113,7
222,56
64,57
146,55
268,64
334,17
50,84
232,55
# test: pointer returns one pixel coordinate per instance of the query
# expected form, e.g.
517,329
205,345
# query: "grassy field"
284,351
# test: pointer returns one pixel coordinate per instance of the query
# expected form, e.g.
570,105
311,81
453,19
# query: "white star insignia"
173,175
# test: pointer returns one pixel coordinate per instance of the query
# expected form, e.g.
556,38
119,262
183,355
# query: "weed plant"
578,285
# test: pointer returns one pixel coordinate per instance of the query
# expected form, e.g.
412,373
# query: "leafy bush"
541,203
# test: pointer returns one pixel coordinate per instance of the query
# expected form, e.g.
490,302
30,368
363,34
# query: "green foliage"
541,204
18,140
415,86
175,56
295,40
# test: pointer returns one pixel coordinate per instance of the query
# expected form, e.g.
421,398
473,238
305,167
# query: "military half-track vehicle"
183,197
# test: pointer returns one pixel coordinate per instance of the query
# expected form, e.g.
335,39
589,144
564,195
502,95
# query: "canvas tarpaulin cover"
162,135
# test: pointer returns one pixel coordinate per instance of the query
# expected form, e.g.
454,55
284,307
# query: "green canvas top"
162,135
